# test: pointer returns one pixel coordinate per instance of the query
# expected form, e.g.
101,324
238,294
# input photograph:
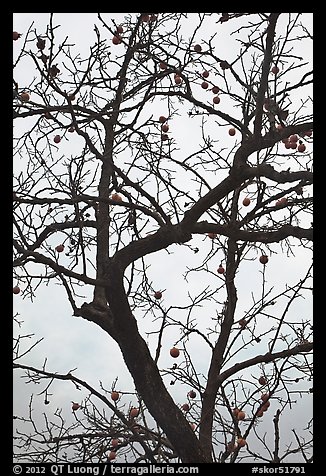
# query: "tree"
107,175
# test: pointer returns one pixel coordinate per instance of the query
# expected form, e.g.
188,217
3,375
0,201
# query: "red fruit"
241,415
197,48
16,289
164,137
301,148
246,201
205,74
212,235
163,65
242,323
144,17
224,65
241,442
134,412
266,405
275,69
220,269
162,119
288,145
115,442
158,294
165,127
293,145
263,259
116,40
174,352
72,97
116,197
75,406
204,85
264,397
260,413
216,100
25,96
293,138
57,139
215,89
185,407
283,201
177,79
112,455
231,131
16,35
308,133
262,380
115,396
119,29
192,394
59,248
71,129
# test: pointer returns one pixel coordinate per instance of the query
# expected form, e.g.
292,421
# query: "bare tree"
135,185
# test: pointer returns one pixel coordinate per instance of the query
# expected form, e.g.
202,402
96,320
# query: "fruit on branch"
232,131
116,197
16,35
163,65
241,415
264,397
185,407
293,138
220,269
242,323
115,442
216,100
212,235
24,96
263,259
53,71
116,40
177,79
72,97
262,380
158,294
215,89
275,69
134,412
204,85
205,74
164,137
60,248
120,29
174,352
266,405
241,442
293,145
16,289
115,396
57,139
71,129
162,119
112,455
260,413
75,406
144,17
40,44
246,201
308,133
165,127
192,394
224,65
235,412
301,147
197,48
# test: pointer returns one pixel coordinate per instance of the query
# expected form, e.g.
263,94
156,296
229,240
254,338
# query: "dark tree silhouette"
103,180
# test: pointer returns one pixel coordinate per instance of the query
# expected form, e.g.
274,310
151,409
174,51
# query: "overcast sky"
71,342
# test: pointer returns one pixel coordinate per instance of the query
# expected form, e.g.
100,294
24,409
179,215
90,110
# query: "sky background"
70,342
